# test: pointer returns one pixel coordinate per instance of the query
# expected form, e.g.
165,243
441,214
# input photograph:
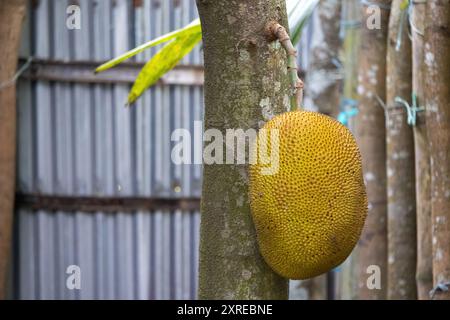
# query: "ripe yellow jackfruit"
308,214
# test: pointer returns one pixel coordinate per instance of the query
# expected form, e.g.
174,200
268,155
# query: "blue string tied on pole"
441,286
344,24
411,110
17,75
348,24
369,3
349,109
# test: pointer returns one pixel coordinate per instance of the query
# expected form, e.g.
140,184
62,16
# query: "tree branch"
279,32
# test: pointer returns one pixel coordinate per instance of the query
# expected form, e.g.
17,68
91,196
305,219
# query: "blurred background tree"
12,14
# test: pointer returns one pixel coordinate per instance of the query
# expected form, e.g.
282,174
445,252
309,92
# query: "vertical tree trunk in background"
437,78
323,79
351,46
246,83
424,272
351,12
371,137
323,89
11,17
400,162
316,287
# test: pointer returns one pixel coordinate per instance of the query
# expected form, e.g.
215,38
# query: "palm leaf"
192,28
183,40
299,15
163,61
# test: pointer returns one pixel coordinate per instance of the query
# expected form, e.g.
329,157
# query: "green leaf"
404,5
291,6
163,61
299,15
185,39
193,28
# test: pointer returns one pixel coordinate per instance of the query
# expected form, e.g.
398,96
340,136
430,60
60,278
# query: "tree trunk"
323,88
246,83
323,78
424,272
371,138
400,162
437,76
317,287
11,16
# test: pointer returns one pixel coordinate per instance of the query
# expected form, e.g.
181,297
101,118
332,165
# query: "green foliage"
193,28
183,40
299,13
163,61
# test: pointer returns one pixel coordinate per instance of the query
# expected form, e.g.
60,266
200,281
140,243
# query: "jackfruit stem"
282,35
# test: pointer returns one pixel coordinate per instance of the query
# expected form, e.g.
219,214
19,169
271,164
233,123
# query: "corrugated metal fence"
77,141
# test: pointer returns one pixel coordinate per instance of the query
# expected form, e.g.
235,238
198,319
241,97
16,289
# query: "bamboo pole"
371,137
323,79
12,14
424,272
351,44
400,160
437,97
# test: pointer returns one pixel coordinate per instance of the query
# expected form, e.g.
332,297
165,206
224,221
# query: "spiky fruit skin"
310,213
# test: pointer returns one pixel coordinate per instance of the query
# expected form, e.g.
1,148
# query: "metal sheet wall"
78,139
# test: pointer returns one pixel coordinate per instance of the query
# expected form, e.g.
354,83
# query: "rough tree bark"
424,272
11,17
371,137
246,84
437,76
400,162
323,79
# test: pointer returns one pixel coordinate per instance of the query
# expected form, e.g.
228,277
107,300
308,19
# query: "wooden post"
371,137
400,161
424,272
12,14
437,96
351,45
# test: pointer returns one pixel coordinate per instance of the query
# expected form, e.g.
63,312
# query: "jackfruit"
309,213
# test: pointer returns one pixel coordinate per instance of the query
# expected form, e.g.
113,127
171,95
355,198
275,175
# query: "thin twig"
280,33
